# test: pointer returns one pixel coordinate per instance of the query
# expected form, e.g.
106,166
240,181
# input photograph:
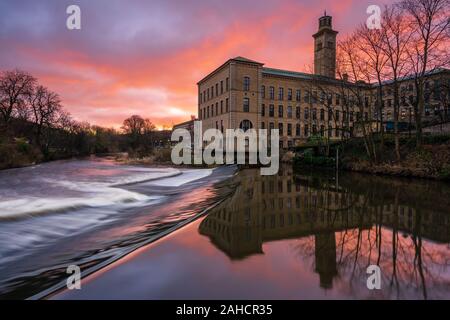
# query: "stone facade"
242,93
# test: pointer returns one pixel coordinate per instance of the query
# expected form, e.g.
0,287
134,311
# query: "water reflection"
340,226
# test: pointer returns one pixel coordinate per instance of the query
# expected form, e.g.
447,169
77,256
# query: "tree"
428,48
396,37
355,67
45,106
370,43
139,131
16,87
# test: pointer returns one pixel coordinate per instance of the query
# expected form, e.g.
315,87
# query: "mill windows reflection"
342,227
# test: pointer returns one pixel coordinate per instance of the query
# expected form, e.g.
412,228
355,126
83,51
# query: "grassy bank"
432,160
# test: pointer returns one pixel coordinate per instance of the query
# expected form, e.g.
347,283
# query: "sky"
145,57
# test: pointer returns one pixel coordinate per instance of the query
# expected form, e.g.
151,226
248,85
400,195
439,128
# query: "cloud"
145,57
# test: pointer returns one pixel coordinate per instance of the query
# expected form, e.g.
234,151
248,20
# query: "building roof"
412,76
243,59
238,59
286,73
298,75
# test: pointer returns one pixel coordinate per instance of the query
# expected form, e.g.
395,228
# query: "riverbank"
431,161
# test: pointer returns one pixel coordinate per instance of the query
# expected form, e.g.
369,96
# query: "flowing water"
89,212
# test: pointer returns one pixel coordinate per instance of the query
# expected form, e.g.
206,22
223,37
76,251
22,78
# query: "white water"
60,199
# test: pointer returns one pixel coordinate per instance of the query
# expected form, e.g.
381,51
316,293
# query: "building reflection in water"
401,225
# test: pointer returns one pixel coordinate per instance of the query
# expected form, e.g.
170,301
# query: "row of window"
308,130
215,109
215,90
331,116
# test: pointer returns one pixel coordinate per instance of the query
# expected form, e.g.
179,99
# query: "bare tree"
16,87
46,106
396,37
354,67
370,42
428,48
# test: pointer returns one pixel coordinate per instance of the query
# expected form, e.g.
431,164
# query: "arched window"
245,125
246,83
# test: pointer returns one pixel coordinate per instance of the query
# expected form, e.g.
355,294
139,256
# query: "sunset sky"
145,57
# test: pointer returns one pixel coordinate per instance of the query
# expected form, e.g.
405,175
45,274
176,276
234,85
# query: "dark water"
89,213
297,235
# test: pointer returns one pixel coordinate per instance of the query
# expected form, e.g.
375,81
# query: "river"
308,234
88,213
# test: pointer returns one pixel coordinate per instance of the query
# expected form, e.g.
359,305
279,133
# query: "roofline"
411,76
215,71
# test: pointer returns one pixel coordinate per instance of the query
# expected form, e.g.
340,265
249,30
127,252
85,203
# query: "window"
306,98
217,125
263,92
246,105
351,115
314,129
297,112
263,110
221,106
319,46
227,84
208,93
212,110
306,129
290,94
217,89
322,114
280,111
314,114
338,99
226,105
221,86
207,112
289,129
297,130
221,125
298,95
272,93
245,125
217,108
322,130
280,93
201,98
263,125
337,115
289,112
271,126
306,114
246,83
280,128
271,111
212,92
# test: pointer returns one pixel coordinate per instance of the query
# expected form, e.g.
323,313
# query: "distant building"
242,93
188,125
